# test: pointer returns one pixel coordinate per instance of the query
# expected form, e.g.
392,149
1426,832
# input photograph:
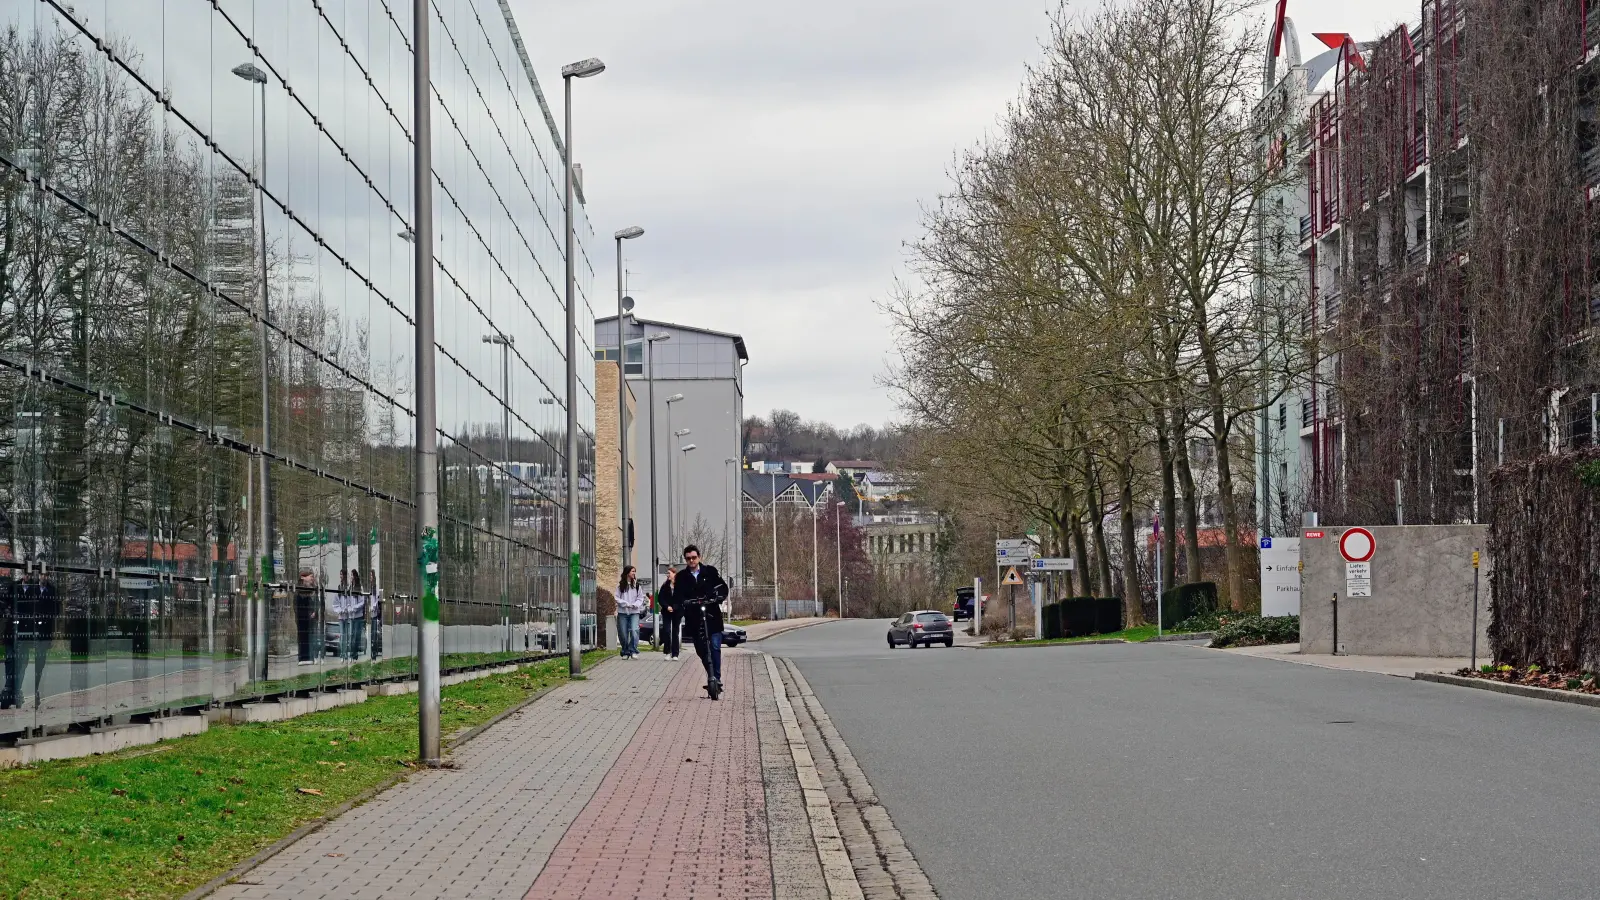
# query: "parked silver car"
923,626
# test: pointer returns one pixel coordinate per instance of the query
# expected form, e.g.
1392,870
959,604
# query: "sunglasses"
690,558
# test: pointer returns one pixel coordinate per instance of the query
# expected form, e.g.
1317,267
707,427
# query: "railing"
1305,229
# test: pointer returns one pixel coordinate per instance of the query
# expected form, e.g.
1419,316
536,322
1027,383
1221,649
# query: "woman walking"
631,603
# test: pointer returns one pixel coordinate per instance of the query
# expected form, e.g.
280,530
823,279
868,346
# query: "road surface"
1166,771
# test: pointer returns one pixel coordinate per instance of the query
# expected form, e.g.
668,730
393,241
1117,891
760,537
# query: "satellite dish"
627,304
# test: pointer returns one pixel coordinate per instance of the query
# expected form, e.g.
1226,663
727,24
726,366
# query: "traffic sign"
1013,544
1053,564
1005,556
1012,577
1357,545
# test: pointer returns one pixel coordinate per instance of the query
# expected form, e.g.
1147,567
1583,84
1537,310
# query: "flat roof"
738,339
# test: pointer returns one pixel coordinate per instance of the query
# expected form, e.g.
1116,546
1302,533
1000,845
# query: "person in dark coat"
34,611
669,616
700,590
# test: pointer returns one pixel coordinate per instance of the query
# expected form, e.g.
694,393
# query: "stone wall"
608,524
1421,603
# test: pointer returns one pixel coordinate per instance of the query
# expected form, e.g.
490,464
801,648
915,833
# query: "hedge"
1187,601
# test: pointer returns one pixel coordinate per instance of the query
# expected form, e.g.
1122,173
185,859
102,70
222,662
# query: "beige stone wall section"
608,522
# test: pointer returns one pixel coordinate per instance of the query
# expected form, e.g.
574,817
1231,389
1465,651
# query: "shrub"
1255,631
1187,601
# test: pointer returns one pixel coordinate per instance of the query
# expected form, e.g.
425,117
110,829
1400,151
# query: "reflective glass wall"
206,351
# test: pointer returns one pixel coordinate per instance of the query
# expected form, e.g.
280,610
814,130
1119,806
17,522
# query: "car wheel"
949,642
892,644
912,643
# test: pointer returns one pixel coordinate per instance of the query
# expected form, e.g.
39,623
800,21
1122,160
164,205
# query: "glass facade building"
206,351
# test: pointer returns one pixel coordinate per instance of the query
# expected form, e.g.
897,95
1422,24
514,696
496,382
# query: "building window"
1283,416
633,364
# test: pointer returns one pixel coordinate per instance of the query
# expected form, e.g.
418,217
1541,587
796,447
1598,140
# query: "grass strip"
158,821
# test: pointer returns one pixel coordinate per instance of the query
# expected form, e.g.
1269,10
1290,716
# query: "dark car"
732,635
963,606
924,626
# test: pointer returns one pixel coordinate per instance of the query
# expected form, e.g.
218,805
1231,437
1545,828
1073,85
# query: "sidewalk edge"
1514,690
317,824
787,630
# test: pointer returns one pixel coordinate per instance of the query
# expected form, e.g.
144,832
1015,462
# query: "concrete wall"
1421,603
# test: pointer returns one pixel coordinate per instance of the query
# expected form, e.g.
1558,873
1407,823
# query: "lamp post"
774,614
655,541
673,535
816,597
675,398
426,463
251,73
626,234
587,68
504,341
838,550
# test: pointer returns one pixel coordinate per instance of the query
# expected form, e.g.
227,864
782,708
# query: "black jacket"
698,600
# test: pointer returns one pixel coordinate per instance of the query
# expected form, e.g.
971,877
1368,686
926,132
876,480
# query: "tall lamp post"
251,73
587,68
727,514
838,550
673,535
655,541
504,341
626,234
816,596
426,464
774,614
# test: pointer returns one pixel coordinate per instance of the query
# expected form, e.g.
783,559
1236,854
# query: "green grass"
1131,635
744,623
159,821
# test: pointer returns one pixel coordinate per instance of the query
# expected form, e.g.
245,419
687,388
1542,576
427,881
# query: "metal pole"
816,598
622,417
838,550
268,569
672,499
574,548
655,542
1336,623
505,455
774,613
427,484
1474,664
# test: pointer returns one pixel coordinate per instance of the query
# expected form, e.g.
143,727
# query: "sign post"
1474,665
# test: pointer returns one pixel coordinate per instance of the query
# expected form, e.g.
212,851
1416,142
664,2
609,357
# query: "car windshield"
930,617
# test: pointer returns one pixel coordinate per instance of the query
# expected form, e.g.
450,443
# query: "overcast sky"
778,155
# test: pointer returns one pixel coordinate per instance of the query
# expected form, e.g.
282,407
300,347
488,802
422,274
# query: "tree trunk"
1080,550
1132,597
1194,568
1102,558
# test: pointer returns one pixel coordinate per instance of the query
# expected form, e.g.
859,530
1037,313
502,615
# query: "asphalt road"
1165,771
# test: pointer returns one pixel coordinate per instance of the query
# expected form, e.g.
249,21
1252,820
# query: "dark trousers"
305,624
20,650
671,640
709,649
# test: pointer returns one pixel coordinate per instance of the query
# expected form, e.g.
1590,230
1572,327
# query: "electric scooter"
713,684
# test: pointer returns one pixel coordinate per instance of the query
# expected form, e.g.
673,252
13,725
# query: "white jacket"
632,601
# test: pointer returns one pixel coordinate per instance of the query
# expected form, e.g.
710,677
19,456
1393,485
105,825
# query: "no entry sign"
1357,545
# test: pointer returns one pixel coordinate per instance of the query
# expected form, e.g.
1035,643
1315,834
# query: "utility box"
1404,590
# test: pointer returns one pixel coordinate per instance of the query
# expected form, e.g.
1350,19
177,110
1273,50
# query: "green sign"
575,573
429,562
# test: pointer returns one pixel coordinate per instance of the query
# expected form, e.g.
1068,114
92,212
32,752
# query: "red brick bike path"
682,813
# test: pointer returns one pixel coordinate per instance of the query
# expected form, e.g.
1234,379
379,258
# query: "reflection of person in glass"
358,615
375,612
33,613
341,609
306,596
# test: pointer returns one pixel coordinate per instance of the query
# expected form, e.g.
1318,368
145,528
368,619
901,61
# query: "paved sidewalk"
1402,666
684,812
486,827
629,785
760,631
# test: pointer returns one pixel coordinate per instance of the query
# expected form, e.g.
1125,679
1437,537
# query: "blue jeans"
628,633
710,651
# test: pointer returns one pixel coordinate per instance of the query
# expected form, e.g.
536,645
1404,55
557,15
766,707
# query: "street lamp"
774,614
671,522
626,234
816,597
673,532
583,69
505,341
838,550
655,541
249,72
426,422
